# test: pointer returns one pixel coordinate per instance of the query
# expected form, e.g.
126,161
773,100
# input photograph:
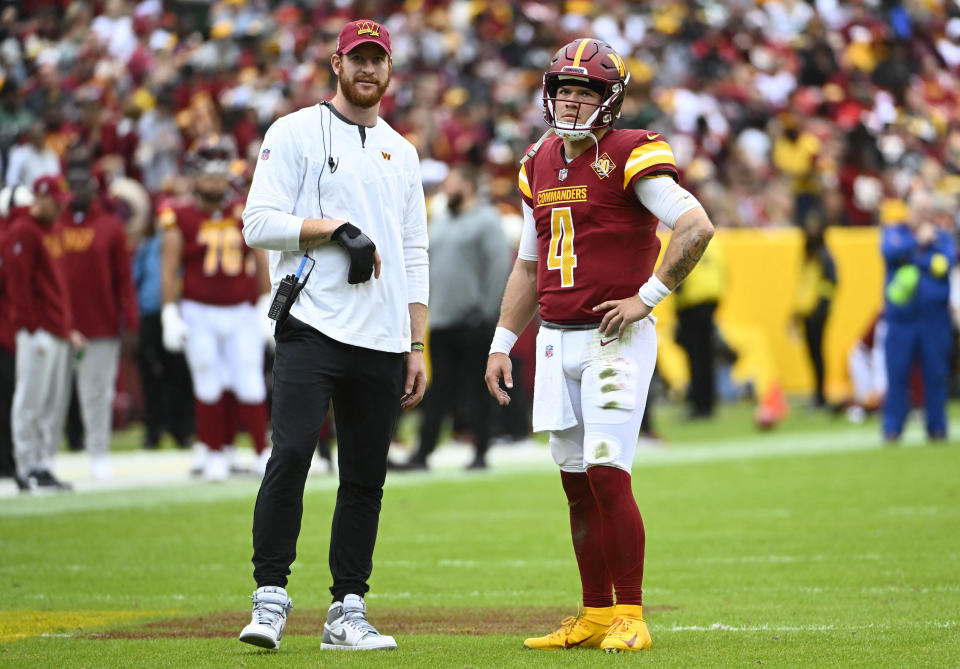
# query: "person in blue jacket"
918,252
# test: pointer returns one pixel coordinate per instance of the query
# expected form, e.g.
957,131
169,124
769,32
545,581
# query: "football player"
216,317
592,196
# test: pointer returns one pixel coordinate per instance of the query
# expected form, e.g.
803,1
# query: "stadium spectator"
32,159
160,146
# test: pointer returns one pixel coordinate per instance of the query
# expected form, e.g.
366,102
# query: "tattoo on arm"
693,249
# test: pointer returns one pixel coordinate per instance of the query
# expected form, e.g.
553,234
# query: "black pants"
7,382
167,388
458,361
695,335
366,386
813,326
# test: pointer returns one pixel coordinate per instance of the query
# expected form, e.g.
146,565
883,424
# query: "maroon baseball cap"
54,186
358,32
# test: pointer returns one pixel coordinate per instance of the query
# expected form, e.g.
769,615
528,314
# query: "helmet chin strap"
596,143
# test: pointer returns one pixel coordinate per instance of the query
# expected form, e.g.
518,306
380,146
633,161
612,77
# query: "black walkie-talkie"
281,301
287,292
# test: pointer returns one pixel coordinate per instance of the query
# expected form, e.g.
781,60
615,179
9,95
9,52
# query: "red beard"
361,99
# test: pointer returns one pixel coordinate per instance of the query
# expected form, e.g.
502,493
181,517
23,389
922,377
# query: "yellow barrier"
755,314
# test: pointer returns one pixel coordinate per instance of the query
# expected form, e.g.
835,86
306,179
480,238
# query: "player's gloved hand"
266,325
360,248
174,328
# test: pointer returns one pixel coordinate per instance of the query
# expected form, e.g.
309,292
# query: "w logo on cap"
368,28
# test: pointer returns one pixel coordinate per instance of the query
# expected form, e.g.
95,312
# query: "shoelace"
618,625
568,623
358,622
268,613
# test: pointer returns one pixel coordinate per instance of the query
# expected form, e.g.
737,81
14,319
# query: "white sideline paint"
144,479
720,627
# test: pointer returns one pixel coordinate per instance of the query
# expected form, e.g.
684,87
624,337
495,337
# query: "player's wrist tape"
653,291
417,346
503,341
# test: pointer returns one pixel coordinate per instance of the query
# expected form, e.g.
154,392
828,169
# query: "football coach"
338,202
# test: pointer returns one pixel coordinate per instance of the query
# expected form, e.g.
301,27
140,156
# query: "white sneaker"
199,463
347,628
217,467
270,607
100,468
262,459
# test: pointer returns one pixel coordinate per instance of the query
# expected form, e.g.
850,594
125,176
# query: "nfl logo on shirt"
563,174
548,352
265,154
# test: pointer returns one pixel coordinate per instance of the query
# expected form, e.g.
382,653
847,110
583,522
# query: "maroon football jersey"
218,266
595,241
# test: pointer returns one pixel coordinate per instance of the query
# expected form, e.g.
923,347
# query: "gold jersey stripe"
576,58
524,183
648,155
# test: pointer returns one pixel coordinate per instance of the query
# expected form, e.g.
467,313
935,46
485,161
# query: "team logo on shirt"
386,156
604,166
265,154
562,176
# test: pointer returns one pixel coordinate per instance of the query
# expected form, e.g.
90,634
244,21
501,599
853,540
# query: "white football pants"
607,384
224,351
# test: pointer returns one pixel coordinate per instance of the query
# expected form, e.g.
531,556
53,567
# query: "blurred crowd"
775,110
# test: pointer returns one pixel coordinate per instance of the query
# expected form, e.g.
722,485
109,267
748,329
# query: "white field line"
880,627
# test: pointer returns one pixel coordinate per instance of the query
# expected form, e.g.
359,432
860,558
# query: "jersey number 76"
560,254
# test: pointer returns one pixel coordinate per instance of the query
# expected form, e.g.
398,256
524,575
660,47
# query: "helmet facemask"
603,114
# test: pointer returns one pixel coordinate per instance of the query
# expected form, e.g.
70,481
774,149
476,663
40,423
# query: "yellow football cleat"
628,631
586,630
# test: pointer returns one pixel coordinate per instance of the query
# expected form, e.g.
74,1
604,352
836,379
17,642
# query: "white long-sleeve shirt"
374,184
27,164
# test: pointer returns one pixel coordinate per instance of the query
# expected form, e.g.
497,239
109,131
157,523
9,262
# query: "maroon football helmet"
212,155
594,64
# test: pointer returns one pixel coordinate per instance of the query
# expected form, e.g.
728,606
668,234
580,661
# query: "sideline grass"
837,559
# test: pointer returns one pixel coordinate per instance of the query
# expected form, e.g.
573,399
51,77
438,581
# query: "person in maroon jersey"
15,201
102,300
216,322
42,320
592,197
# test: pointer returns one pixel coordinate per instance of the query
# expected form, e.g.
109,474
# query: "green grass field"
809,546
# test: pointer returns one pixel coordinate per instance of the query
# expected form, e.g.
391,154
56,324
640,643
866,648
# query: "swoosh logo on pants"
609,341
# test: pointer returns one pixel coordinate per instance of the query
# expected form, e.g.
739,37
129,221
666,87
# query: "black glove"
360,249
